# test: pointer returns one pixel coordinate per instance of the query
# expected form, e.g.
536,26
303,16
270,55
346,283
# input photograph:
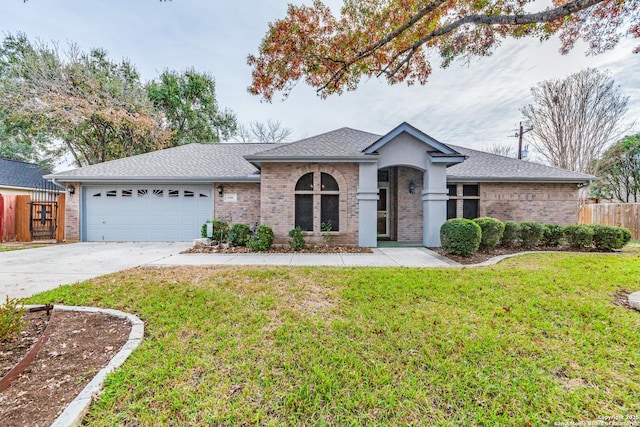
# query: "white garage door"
145,212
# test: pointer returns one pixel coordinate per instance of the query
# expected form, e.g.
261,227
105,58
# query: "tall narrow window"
313,191
304,202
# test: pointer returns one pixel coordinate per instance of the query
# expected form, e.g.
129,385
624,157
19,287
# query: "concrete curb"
77,409
634,300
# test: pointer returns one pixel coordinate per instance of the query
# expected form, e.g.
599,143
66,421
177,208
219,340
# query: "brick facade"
72,214
409,215
277,201
246,208
546,203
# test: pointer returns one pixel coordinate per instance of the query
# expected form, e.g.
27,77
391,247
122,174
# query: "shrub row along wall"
620,214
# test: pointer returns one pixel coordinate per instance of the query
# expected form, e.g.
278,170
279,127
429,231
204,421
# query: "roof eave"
154,179
257,160
538,180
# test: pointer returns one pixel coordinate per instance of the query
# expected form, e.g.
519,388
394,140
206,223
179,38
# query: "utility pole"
519,135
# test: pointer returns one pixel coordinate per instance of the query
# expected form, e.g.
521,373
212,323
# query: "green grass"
4,248
532,341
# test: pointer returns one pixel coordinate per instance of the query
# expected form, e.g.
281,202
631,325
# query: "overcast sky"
475,105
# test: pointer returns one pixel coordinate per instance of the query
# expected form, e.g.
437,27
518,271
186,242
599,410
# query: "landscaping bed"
79,345
310,249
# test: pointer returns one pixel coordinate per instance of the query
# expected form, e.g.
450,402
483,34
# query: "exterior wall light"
220,190
71,189
412,187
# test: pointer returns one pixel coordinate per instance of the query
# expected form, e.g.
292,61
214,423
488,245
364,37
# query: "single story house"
400,186
21,178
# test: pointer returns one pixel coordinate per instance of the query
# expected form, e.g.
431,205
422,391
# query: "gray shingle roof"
343,142
188,162
481,166
21,174
209,162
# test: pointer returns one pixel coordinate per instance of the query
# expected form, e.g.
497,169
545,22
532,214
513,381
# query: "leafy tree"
391,38
98,108
574,118
16,143
188,101
620,170
269,132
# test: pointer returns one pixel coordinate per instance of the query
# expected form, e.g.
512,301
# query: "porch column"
434,203
368,205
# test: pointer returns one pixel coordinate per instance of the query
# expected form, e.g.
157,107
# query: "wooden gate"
43,213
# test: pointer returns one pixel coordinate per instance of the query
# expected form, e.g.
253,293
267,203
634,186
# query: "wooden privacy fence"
16,223
620,214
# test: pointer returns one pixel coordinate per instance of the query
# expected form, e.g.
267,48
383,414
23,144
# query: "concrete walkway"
381,257
29,271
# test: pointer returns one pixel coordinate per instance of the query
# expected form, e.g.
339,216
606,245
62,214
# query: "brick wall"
72,214
547,203
245,210
277,200
410,219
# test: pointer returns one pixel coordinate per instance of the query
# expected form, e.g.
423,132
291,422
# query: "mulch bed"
315,249
79,346
482,256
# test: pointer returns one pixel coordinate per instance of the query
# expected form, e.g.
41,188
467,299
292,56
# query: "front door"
383,212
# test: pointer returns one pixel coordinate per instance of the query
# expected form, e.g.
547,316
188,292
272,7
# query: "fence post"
60,219
23,219
1,216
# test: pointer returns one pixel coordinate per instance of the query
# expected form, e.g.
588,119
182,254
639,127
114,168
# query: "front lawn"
532,341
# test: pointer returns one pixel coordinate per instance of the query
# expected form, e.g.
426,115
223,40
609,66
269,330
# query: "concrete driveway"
26,272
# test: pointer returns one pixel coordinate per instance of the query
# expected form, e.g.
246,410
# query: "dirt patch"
79,346
315,249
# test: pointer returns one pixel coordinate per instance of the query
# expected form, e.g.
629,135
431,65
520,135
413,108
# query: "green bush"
492,230
11,319
552,235
460,236
239,234
262,240
607,238
531,234
297,241
626,236
511,234
579,236
220,230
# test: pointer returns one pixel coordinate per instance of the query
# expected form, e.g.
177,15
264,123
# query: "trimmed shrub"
607,238
492,230
579,236
220,230
460,236
552,235
531,234
626,236
262,240
239,234
11,320
511,235
297,241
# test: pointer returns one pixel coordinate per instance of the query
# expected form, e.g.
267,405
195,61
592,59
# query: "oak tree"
188,101
96,107
391,38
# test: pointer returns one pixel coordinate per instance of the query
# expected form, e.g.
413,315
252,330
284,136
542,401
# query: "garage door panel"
145,213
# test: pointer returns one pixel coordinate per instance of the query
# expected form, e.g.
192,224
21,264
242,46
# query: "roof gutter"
153,179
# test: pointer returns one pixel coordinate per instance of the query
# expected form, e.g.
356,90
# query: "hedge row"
464,237
259,239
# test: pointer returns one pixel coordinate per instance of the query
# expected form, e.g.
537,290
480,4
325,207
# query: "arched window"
319,193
